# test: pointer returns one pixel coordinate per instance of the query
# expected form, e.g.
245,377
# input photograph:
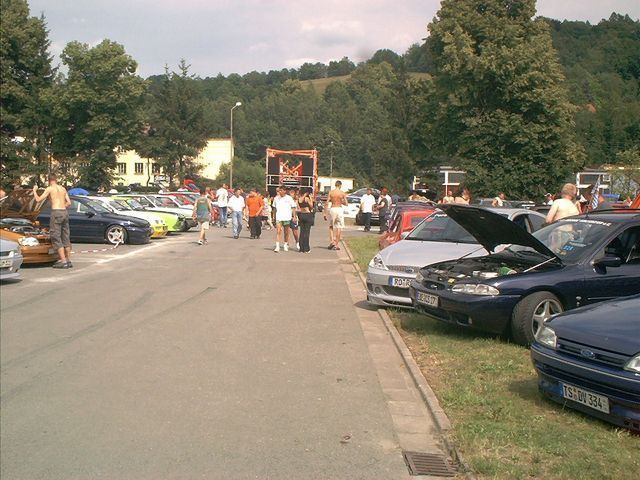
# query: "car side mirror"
608,261
89,214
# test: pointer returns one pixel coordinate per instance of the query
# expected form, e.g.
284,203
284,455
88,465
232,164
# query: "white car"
10,259
436,239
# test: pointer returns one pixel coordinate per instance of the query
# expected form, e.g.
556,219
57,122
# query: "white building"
325,184
132,168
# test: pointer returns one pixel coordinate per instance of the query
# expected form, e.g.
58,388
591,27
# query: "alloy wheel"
545,309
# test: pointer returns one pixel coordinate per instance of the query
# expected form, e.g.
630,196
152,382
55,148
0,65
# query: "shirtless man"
564,206
59,222
335,201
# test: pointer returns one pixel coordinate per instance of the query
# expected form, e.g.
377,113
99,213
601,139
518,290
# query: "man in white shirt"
222,197
285,212
366,207
498,202
236,205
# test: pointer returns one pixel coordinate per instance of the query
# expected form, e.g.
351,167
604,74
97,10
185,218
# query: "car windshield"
97,206
119,205
178,200
570,239
440,228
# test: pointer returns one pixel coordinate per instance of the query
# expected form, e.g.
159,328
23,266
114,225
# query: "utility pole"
331,168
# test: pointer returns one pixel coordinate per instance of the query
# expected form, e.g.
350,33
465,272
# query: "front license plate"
427,299
585,397
51,251
5,263
400,282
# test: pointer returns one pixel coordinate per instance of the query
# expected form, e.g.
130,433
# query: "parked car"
150,202
176,222
10,259
18,211
572,262
403,224
158,225
589,359
89,221
436,239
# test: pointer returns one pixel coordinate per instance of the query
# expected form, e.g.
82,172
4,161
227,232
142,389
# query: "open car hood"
491,229
21,204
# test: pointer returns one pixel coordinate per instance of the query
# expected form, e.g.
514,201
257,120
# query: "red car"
404,222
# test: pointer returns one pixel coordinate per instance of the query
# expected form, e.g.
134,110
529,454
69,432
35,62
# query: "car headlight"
377,262
28,241
633,365
547,337
475,289
419,278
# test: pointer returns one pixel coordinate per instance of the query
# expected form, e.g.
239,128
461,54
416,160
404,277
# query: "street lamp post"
331,168
232,150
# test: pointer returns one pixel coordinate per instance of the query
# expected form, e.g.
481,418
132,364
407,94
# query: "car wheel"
116,234
185,227
531,313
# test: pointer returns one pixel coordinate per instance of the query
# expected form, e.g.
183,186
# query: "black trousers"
255,226
306,222
383,221
366,217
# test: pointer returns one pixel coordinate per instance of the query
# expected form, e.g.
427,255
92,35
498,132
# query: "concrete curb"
433,405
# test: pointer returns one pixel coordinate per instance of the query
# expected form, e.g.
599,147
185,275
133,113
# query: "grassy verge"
501,424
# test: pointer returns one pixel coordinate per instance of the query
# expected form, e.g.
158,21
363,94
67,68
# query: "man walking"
335,201
285,213
59,222
255,205
236,205
222,197
202,214
366,207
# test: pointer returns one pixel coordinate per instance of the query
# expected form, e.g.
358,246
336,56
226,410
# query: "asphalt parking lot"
172,360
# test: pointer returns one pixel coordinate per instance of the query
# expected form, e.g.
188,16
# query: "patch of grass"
363,249
321,84
502,425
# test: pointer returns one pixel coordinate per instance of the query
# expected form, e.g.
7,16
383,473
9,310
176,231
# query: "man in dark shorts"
59,222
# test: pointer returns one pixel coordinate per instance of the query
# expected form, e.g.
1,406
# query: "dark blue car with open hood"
589,359
573,262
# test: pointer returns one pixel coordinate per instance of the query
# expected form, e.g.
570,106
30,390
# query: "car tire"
530,313
116,234
185,227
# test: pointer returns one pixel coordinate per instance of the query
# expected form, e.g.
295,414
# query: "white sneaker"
298,246
277,249
286,247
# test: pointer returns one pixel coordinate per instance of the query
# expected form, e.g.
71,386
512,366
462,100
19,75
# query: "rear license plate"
400,282
5,263
427,299
585,397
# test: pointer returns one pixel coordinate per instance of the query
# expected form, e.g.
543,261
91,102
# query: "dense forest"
381,121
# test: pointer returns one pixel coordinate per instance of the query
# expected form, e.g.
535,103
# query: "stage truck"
291,168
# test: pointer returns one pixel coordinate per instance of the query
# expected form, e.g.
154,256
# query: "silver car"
436,239
10,259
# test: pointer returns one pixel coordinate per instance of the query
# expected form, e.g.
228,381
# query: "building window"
139,168
155,168
122,168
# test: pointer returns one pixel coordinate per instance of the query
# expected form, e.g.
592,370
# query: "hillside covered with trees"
380,121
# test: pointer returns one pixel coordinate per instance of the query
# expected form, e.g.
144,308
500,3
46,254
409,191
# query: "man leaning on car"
59,225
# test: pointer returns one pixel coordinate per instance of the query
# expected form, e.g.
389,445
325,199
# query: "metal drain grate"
429,464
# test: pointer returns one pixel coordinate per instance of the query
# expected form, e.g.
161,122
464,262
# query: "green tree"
176,130
98,109
340,68
501,104
246,175
26,77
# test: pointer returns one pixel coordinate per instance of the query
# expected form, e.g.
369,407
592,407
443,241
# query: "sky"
239,36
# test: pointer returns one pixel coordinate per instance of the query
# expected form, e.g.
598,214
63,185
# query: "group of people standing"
292,209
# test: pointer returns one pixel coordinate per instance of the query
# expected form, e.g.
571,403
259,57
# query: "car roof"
613,216
508,211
